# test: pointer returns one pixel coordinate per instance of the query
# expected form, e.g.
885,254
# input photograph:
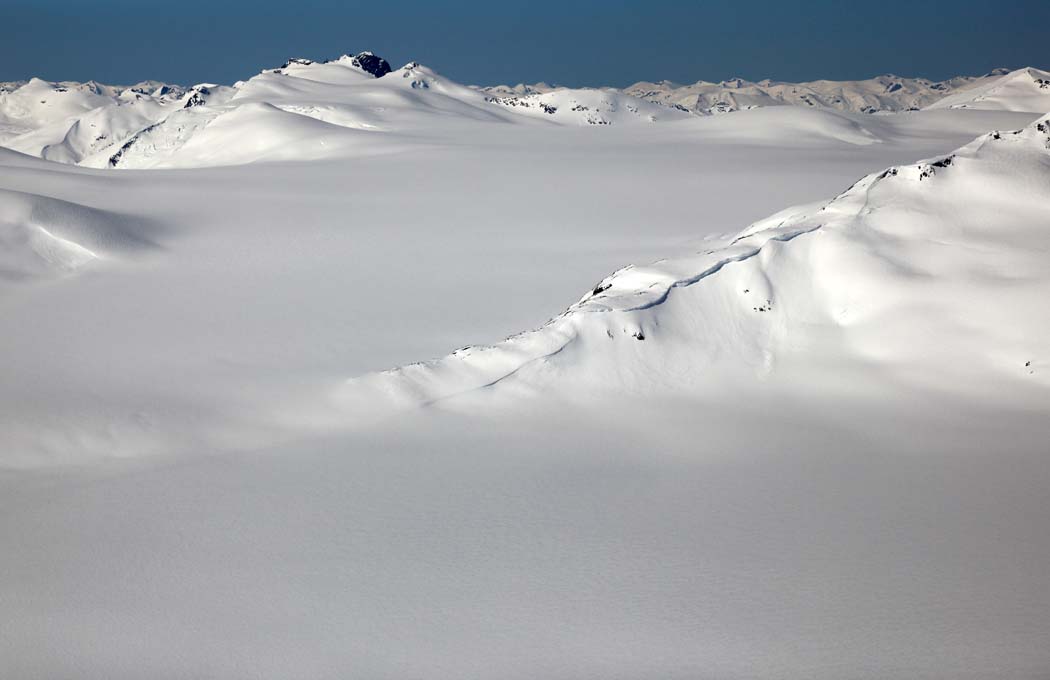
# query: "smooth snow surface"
812,447
1027,89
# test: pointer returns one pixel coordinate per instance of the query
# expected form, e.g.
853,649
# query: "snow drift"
42,237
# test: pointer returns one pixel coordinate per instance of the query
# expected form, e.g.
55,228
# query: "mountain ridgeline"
307,109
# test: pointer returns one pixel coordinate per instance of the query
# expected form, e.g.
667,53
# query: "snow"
906,270
146,125
67,121
810,447
44,237
886,93
1026,89
587,107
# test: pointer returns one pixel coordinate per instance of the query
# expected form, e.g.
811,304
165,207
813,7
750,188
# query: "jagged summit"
370,63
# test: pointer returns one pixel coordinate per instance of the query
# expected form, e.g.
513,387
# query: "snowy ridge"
305,110
300,111
1026,89
518,90
882,94
209,124
587,107
886,93
149,124
67,122
853,276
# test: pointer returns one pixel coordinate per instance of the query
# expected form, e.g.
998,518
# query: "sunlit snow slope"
931,274
1026,89
307,110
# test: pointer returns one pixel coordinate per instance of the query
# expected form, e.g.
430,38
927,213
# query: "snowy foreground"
740,440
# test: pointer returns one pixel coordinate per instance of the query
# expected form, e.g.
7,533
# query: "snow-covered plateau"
755,395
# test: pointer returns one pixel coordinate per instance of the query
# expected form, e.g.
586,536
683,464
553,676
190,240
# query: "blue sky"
571,42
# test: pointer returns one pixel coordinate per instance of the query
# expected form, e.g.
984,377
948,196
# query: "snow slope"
139,127
1027,89
301,111
45,238
66,122
471,207
826,457
38,103
904,276
345,99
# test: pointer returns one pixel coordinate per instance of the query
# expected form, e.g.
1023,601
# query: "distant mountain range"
305,109
886,93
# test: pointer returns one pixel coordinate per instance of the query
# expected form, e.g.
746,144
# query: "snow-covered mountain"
902,277
587,106
880,94
307,109
320,106
1027,89
68,121
301,110
812,449
518,90
304,110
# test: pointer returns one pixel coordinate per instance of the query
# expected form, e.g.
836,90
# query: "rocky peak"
370,63
197,96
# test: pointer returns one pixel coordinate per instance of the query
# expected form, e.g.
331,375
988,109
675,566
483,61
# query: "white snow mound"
42,237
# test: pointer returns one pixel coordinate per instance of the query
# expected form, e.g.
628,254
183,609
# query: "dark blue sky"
571,42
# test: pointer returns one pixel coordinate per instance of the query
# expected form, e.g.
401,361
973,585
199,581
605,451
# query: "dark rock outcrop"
198,96
370,63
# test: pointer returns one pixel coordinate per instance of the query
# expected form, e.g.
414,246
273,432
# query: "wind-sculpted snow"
814,449
45,238
927,270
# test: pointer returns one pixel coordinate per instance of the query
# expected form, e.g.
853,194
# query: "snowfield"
902,277
794,425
